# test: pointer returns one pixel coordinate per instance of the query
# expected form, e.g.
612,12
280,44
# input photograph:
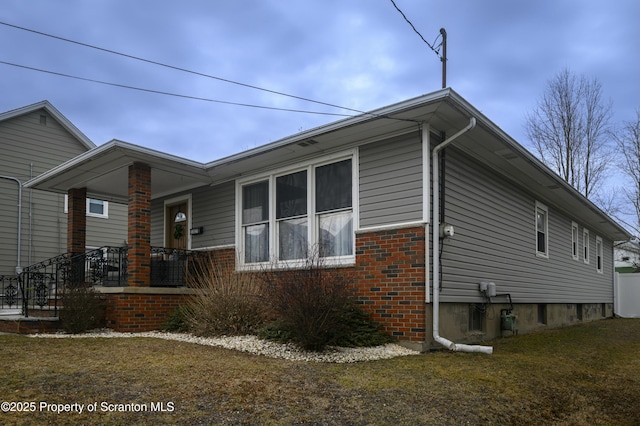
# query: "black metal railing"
169,267
106,266
40,285
10,293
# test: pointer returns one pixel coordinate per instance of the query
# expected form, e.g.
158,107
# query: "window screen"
333,186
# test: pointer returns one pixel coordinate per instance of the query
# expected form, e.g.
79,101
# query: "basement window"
476,317
542,313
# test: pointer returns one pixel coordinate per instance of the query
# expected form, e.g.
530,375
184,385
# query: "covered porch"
141,284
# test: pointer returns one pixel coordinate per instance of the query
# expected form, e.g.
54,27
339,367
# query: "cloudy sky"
359,54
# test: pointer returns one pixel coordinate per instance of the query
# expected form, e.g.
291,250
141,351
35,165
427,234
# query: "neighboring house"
627,256
33,223
373,193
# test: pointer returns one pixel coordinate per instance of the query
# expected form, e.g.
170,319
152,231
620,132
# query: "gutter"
16,180
436,252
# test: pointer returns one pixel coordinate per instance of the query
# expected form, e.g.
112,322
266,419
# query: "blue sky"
360,54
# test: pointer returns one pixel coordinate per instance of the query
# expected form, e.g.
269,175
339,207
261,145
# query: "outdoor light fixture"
180,217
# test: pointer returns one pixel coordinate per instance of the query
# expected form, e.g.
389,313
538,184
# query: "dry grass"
585,374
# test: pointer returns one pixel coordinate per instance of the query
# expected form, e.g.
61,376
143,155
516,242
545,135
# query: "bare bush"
82,309
225,302
310,303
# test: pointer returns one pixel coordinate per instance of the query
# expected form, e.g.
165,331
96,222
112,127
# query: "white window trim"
575,241
312,216
105,204
545,209
599,255
585,246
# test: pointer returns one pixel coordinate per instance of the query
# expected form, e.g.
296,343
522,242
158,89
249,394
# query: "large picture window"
286,217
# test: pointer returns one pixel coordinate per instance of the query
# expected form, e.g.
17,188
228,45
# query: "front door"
177,231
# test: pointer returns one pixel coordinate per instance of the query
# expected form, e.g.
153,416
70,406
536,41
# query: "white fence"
626,295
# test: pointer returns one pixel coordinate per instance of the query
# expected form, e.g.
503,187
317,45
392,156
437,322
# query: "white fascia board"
377,114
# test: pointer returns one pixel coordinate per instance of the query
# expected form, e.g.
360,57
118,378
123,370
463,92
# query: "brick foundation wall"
139,310
29,325
132,312
390,280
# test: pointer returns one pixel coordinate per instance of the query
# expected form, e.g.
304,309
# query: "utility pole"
443,58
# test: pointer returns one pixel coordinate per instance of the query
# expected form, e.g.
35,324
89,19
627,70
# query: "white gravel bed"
257,346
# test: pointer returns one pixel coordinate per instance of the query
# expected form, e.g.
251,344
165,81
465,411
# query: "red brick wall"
139,225
132,312
76,220
390,280
29,326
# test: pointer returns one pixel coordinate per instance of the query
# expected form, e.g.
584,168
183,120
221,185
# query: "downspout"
436,252
18,265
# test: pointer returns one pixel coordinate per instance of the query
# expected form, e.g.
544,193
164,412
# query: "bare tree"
569,128
628,143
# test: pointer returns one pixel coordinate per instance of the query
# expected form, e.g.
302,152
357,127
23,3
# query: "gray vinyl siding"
111,231
157,222
213,209
26,143
495,240
391,181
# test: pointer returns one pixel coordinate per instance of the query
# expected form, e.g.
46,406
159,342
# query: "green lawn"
584,374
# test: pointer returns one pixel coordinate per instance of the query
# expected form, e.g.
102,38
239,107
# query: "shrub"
225,302
360,330
178,320
82,309
310,303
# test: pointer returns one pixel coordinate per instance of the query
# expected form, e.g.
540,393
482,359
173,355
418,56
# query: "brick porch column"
76,231
139,225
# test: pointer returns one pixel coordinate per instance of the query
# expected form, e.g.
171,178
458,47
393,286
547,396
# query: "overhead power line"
137,58
169,93
432,46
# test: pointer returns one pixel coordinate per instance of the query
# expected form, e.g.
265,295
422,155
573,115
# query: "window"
574,241
291,214
542,230
333,209
542,313
599,253
255,222
585,245
579,311
287,215
95,208
476,316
